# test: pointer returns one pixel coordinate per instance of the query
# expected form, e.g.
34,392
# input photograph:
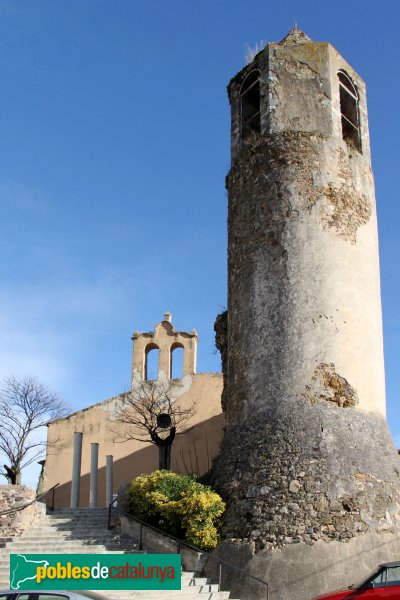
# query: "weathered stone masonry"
295,478
12,497
307,463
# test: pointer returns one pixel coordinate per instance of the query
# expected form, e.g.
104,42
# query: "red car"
383,583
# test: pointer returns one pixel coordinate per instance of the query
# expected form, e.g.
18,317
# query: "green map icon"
24,569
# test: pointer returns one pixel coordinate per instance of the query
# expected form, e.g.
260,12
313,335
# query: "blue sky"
114,146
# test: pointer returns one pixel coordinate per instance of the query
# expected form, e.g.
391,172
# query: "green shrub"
178,504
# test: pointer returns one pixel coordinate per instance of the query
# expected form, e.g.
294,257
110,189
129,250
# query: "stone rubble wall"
305,480
14,524
303,472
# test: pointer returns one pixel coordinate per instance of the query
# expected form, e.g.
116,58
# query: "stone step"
129,594
88,541
5,557
186,591
90,514
174,595
66,519
103,521
149,595
66,530
55,531
99,514
84,531
71,550
93,539
74,524
94,512
55,526
98,517
77,511
52,531
194,580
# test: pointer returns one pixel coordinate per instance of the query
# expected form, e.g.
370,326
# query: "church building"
95,437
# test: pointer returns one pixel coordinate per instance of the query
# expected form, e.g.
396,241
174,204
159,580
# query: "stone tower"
307,462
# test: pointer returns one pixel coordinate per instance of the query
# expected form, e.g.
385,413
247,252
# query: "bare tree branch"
138,417
26,405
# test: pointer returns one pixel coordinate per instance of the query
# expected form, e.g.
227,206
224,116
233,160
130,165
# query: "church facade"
99,433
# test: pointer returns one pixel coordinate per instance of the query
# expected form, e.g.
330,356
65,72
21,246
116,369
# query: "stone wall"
155,542
13,496
295,478
304,481
303,273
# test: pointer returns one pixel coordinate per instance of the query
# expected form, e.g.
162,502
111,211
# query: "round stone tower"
307,463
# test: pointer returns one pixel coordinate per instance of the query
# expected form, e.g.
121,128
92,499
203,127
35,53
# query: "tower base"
313,494
302,572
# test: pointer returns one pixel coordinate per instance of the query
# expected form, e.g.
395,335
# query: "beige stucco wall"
192,450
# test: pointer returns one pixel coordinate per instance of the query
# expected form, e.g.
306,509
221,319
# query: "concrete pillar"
109,479
190,355
164,362
76,470
94,466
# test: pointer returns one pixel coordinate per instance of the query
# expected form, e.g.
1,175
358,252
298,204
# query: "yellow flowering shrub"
178,504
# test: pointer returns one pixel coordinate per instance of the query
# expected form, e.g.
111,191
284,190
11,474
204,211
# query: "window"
250,105
151,362
385,576
349,110
378,580
176,361
393,576
51,596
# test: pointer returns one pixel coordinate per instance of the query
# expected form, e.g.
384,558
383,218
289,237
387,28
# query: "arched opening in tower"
151,362
349,110
176,361
250,105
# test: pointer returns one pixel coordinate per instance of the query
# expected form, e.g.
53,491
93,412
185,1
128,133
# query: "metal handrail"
109,511
181,543
10,511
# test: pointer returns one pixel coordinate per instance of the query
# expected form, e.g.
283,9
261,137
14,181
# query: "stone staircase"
84,531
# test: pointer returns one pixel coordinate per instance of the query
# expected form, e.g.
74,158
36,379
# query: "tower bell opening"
151,362
250,105
349,110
